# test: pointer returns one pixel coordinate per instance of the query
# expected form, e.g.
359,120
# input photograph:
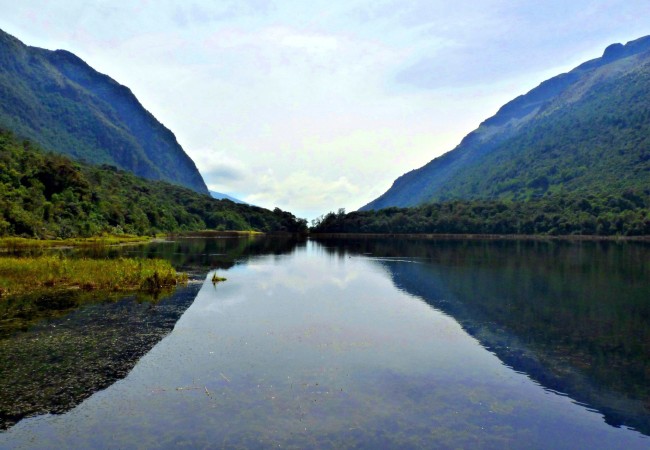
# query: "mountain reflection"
59,349
574,317
199,254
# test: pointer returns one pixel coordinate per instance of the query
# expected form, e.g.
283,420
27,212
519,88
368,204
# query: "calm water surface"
375,344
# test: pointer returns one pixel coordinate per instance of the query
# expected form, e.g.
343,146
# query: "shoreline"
13,243
482,237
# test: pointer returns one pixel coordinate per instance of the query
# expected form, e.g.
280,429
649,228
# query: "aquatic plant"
27,274
217,279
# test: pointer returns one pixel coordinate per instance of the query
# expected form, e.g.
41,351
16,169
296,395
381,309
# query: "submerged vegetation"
44,195
20,275
60,348
626,214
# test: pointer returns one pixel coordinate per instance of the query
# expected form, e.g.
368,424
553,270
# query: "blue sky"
313,106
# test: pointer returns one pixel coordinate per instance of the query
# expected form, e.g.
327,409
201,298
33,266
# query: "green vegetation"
571,157
20,275
20,243
56,100
627,214
586,132
599,144
45,195
59,349
217,279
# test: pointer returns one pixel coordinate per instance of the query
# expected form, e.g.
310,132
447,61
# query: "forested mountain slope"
583,132
58,101
48,195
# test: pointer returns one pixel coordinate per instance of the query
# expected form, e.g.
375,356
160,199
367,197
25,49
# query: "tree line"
46,195
622,214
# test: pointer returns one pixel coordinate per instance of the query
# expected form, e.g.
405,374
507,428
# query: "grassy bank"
215,233
29,274
20,243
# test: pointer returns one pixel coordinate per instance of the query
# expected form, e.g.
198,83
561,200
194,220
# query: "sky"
312,106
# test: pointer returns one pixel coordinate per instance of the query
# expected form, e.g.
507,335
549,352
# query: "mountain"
47,195
57,100
220,196
585,131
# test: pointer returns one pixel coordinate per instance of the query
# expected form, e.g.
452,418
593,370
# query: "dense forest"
625,214
598,144
48,195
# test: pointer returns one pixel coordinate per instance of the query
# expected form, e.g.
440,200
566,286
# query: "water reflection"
70,345
197,255
575,317
365,344
58,349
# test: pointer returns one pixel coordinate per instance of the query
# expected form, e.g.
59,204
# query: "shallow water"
385,344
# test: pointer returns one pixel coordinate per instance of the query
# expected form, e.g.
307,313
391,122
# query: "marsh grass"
19,275
217,233
19,243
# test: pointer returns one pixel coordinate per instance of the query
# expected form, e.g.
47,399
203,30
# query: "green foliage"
57,100
29,274
627,214
585,132
599,144
47,195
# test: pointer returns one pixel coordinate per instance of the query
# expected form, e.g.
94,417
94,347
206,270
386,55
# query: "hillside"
586,131
58,101
221,196
48,195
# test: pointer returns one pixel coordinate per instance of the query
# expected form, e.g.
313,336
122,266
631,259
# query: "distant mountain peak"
221,196
614,51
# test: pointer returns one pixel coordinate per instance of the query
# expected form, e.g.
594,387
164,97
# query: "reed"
19,275
20,243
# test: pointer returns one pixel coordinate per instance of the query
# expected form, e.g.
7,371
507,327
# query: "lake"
353,343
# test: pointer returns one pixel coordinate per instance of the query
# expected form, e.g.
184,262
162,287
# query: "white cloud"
301,189
312,106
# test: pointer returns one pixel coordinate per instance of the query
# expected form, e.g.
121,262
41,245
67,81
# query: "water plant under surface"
58,348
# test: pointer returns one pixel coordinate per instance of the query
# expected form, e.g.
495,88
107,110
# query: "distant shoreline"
482,237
